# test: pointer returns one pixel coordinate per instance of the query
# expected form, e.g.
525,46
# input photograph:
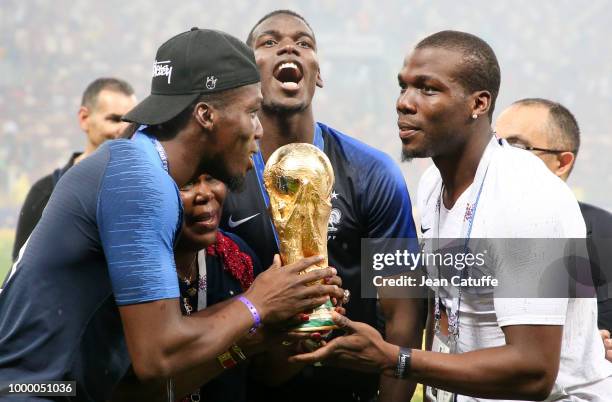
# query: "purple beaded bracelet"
254,313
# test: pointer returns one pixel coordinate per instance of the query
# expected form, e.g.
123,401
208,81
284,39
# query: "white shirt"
521,198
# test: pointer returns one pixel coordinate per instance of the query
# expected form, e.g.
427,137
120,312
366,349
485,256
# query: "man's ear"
206,115
481,103
83,116
566,161
319,79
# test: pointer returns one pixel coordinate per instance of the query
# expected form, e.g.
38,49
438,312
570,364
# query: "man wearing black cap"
95,286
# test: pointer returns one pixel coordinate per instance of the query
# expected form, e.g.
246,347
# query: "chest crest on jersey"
335,218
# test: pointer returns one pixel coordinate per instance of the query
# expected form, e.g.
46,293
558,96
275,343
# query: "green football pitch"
6,246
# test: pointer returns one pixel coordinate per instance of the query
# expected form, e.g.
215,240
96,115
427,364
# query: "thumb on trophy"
276,262
301,265
343,322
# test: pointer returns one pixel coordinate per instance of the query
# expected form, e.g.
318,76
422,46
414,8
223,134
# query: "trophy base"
320,320
316,329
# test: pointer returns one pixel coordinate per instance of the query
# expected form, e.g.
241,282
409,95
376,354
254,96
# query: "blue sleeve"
138,215
389,212
387,204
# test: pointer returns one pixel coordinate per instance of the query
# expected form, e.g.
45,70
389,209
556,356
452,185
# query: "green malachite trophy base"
320,319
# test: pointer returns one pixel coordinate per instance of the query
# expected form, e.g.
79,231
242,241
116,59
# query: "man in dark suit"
104,102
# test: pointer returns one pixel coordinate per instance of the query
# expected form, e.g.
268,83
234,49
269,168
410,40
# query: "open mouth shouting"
289,74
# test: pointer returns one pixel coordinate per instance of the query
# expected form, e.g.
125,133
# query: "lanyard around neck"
466,232
162,154
158,147
259,166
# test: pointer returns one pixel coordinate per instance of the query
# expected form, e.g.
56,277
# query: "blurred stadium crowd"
50,50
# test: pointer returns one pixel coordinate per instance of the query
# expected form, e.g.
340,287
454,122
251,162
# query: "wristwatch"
403,362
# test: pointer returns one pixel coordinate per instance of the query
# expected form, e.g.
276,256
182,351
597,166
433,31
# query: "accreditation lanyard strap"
158,147
259,166
466,232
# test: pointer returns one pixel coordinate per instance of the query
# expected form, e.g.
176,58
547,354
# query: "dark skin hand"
252,345
162,342
186,382
273,367
531,361
266,338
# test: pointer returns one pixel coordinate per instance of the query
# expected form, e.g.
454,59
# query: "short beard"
428,151
217,169
406,157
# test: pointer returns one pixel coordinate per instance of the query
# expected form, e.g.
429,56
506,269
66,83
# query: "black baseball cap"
199,61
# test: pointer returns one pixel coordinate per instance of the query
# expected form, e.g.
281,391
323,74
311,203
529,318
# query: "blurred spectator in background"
361,43
103,104
551,132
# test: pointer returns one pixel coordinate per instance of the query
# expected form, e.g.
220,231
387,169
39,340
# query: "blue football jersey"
105,239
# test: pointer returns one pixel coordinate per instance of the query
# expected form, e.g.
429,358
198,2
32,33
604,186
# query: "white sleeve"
543,219
532,311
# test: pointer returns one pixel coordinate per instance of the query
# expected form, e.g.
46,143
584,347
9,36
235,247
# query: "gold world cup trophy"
299,179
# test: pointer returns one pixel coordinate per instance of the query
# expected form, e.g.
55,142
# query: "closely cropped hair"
562,120
90,96
250,38
480,69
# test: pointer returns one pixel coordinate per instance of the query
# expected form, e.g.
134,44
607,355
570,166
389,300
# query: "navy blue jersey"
369,200
105,239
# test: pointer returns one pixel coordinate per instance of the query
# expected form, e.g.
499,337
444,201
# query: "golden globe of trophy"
299,180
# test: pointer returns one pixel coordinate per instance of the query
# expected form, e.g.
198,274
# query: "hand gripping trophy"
299,180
